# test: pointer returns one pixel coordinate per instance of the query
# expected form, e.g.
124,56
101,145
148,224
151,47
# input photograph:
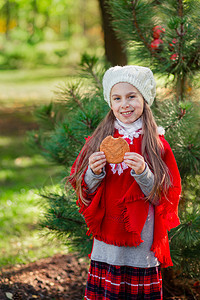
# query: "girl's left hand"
135,161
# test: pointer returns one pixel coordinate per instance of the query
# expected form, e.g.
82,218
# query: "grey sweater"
140,256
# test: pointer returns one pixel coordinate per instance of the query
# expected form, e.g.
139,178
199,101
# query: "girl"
128,207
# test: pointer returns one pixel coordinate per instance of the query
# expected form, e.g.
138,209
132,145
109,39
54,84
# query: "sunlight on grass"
20,235
6,175
28,248
23,76
23,175
5,140
23,172
26,172
25,87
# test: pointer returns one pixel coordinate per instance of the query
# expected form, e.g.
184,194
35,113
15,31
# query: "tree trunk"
114,49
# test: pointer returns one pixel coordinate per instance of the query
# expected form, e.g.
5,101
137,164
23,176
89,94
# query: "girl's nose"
125,103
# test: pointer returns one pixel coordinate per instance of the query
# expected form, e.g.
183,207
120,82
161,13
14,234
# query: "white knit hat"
140,77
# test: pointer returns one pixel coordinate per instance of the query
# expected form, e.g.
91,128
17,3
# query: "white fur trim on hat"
140,77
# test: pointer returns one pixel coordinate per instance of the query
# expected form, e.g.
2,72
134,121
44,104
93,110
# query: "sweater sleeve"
92,180
145,180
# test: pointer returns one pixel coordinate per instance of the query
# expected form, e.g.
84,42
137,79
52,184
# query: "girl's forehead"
123,87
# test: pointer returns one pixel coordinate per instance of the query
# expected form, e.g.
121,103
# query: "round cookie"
114,149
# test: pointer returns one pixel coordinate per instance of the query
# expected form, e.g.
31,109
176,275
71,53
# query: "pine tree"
64,125
163,35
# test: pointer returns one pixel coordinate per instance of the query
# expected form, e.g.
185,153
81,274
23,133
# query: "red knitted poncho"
118,208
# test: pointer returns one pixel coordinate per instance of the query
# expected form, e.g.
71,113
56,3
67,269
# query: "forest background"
41,45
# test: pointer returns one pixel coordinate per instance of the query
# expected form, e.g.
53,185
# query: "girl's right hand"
97,161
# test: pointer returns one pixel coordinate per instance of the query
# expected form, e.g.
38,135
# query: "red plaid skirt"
107,282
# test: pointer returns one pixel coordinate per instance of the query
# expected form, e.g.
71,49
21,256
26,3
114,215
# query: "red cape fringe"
118,210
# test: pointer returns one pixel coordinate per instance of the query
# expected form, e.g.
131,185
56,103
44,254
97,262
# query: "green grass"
31,87
23,172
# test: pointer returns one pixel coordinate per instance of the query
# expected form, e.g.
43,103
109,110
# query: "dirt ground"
58,277
64,277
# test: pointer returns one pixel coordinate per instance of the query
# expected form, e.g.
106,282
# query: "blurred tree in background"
55,32
163,35
47,32
115,50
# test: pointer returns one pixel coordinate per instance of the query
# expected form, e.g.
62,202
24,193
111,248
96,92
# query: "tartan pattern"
107,282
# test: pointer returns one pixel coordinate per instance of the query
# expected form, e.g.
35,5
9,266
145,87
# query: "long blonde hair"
151,151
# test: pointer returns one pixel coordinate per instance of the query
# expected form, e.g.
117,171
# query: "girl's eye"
116,98
132,96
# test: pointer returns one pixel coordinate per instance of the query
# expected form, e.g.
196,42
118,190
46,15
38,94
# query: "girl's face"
126,102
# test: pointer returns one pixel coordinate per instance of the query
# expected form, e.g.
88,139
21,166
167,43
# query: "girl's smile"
126,102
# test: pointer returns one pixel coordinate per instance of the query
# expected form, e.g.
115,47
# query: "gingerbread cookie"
114,149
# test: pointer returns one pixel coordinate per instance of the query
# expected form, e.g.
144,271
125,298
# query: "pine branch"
180,8
46,116
60,216
94,75
194,60
35,141
72,137
179,118
88,64
140,34
75,98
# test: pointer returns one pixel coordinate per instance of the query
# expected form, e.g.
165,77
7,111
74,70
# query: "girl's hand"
97,161
135,161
